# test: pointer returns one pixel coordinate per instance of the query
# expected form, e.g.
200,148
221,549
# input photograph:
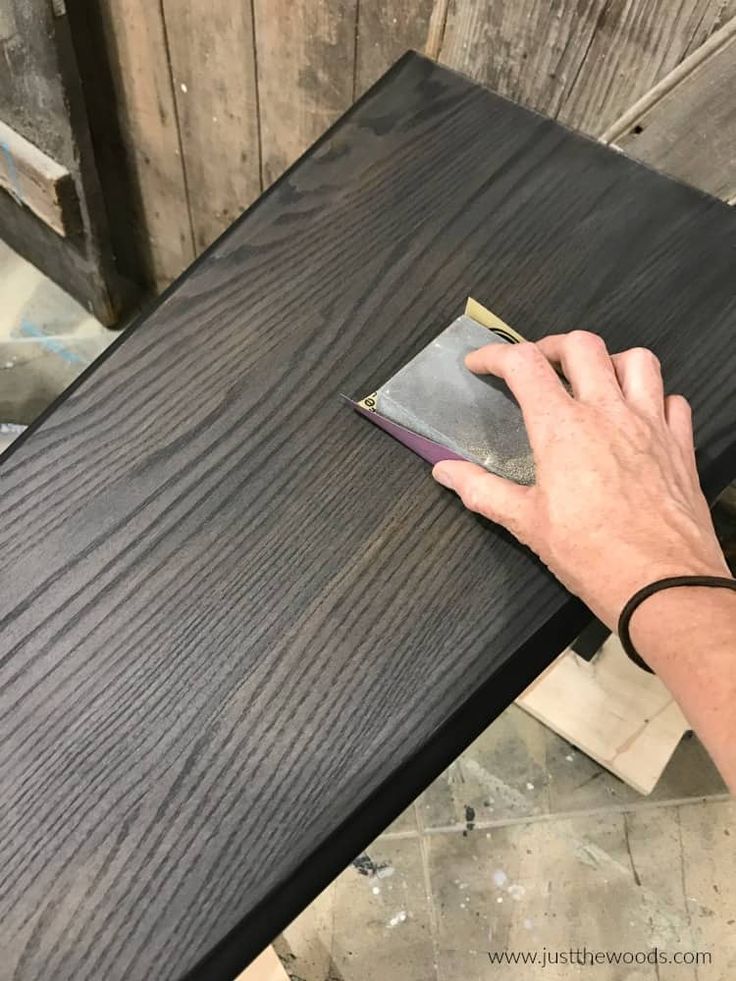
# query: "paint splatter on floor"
469,818
365,865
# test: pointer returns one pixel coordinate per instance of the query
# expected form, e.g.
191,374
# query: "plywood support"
37,182
619,715
266,967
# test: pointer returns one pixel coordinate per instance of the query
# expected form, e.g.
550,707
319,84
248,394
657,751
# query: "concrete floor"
561,855
524,845
46,339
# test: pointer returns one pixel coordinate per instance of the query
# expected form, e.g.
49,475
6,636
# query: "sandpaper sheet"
441,410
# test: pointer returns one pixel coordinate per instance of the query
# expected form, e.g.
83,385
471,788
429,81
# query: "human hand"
617,502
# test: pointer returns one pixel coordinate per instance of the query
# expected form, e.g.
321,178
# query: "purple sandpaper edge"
426,448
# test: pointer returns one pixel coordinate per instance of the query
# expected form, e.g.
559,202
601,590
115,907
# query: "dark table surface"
241,627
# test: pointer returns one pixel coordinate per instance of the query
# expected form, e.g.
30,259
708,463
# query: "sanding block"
442,411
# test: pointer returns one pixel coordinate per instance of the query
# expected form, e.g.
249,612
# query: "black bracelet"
654,587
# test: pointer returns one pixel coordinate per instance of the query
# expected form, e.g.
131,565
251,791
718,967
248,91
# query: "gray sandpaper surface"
475,416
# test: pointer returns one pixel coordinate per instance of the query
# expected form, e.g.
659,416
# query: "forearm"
688,637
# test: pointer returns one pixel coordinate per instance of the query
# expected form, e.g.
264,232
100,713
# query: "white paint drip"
398,918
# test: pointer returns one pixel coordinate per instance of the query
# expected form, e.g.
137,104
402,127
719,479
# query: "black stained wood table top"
241,627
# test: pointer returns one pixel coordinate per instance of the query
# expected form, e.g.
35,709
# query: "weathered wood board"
212,53
51,209
632,47
584,63
135,39
384,30
687,125
37,182
306,74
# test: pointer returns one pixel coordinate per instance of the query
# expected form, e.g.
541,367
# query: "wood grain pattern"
687,127
137,50
583,62
716,15
385,29
634,45
242,628
527,50
306,73
436,28
212,52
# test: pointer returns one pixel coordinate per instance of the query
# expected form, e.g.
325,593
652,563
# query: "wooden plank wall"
213,67
686,125
306,68
582,61
218,97
137,46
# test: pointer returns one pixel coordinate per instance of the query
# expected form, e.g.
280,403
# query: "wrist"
615,591
670,627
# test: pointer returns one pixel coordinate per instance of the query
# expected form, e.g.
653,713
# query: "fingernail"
442,476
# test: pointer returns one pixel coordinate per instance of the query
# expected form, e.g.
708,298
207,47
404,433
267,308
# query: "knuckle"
645,355
681,402
587,338
526,354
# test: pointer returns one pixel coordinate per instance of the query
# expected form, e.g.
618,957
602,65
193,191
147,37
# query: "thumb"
501,500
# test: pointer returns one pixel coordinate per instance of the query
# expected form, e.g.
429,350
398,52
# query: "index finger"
533,381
